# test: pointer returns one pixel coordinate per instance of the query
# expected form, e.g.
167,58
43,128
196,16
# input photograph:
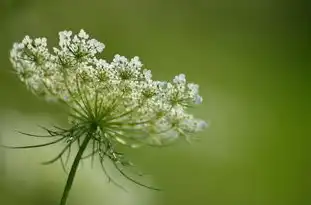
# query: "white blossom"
119,97
108,103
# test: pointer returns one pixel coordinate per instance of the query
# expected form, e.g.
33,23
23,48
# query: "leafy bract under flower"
120,99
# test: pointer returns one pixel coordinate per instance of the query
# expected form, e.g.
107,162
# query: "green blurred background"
252,61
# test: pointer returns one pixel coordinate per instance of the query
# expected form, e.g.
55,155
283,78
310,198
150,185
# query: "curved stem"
74,168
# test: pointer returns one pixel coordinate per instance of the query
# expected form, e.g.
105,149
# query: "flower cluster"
109,103
120,98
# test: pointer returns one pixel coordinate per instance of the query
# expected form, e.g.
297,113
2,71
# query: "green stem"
74,168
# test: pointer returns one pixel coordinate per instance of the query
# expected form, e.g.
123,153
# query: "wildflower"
108,103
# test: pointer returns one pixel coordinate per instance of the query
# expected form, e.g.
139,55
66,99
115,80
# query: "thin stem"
74,168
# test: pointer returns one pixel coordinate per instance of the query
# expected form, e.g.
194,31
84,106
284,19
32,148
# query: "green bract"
109,102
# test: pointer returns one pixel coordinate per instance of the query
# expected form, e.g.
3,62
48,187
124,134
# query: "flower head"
109,103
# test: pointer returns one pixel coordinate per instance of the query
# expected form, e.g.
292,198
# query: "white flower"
109,102
120,95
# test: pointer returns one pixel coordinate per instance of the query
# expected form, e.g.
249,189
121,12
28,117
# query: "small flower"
108,103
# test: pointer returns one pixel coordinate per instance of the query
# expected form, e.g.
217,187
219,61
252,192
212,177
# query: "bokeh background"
252,61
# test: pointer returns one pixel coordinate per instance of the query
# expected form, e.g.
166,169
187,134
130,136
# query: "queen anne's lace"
109,103
120,97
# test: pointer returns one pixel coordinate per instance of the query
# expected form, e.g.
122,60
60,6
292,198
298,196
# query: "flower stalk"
74,168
